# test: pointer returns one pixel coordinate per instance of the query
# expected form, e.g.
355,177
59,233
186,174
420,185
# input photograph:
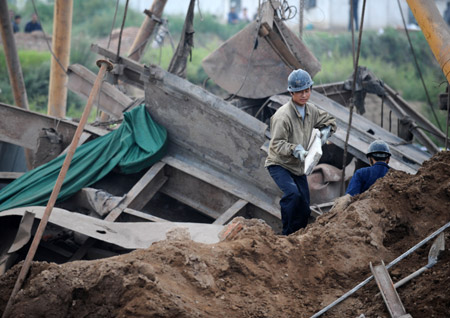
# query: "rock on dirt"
260,274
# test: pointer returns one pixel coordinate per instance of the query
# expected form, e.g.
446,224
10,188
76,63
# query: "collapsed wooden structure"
215,162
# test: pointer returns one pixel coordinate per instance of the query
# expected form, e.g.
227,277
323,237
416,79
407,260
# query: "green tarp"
137,144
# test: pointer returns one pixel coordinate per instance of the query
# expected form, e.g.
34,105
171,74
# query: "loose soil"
260,274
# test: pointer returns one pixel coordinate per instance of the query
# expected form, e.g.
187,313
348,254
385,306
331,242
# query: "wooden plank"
222,184
141,193
31,124
84,137
144,190
267,12
10,176
388,292
179,196
145,216
237,207
111,100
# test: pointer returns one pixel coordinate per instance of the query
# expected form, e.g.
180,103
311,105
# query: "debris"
322,261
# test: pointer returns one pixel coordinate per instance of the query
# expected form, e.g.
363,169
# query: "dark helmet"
299,80
378,149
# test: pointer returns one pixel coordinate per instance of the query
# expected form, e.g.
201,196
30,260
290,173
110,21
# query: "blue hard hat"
299,80
378,149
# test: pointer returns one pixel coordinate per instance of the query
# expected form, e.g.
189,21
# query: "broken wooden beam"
388,292
111,100
9,176
31,123
234,210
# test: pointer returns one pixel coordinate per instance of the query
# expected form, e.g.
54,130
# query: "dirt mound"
260,274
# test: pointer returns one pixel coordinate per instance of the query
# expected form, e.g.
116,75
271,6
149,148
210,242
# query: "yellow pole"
62,27
435,30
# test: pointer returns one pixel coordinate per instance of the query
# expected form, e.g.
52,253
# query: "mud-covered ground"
260,274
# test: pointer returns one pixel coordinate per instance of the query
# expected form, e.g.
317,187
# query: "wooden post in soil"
13,65
12,59
104,66
62,26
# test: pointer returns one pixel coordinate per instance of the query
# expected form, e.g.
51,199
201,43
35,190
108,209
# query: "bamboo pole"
62,27
146,30
104,66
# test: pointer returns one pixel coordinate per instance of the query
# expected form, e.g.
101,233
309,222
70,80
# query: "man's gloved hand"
300,153
341,203
325,133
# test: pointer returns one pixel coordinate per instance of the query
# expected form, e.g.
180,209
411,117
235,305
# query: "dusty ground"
260,274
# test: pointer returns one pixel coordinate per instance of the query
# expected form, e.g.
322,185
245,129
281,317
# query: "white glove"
325,133
341,203
300,153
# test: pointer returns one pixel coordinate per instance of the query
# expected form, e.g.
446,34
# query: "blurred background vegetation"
386,54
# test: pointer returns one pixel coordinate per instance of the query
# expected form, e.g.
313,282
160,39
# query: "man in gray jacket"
291,128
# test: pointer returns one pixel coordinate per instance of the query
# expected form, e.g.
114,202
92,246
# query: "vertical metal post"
352,99
390,120
104,66
301,17
62,27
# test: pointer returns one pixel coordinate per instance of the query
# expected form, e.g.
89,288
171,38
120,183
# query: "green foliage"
35,69
209,25
389,57
93,17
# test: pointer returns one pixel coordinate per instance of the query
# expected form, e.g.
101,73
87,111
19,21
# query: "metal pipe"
104,65
435,30
352,99
395,261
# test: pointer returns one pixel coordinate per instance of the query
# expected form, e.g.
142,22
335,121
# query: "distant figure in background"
33,25
447,14
353,14
232,16
16,23
244,16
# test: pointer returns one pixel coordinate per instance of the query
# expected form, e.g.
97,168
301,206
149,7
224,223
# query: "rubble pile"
260,274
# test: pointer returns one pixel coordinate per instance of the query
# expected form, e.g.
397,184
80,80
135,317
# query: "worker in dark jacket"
378,155
291,128
33,25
